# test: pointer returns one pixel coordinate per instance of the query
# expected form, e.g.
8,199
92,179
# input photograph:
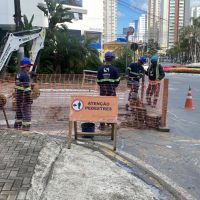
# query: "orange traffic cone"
188,101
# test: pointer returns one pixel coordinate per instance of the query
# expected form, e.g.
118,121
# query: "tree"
55,37
64,53
188,45
152,47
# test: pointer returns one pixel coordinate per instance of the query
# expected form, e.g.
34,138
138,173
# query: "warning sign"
94,109
77,105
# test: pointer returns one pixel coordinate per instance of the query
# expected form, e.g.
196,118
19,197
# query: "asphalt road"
184,122
175,154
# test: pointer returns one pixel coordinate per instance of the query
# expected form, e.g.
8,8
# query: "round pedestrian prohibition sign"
77,105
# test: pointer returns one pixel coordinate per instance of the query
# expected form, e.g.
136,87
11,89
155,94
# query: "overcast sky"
126,13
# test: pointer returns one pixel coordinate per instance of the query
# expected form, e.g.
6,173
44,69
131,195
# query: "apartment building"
109,20
164,24
153,20
142,28
195,12
178,17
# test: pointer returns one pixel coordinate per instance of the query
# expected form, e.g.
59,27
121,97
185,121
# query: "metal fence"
50,109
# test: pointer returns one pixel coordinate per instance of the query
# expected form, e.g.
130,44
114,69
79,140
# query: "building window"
78,3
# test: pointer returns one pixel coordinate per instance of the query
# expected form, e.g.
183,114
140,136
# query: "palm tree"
55,37
64,53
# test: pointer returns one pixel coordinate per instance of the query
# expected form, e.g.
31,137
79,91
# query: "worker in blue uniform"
135,72
155,74
108,78
23,96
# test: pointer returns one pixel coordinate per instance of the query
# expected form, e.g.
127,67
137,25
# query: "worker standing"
108,79
23,96
135,72
155,74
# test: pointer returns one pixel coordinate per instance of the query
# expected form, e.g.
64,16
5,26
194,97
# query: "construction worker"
23,96
135,72
108,79
155,74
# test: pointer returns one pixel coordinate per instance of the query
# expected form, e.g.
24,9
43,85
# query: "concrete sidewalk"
35,166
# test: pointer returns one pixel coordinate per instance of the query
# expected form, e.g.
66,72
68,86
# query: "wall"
28,8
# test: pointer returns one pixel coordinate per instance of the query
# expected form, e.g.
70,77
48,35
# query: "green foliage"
124,59
64,53
152,47
187,49
13,64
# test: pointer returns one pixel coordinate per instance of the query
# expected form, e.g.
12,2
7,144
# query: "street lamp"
130,31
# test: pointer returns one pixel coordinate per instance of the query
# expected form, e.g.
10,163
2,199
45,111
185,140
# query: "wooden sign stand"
93,109
72,124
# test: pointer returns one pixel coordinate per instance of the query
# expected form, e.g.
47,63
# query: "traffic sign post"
130,31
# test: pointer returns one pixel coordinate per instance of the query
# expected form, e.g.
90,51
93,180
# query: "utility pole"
19,26
17,16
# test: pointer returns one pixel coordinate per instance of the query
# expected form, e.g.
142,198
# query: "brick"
3,197
5,180
4,174
17,183
12,197
22,195
9,192
2,166
31,169
27,186
23,170
13,174
7,186
26,181
10,164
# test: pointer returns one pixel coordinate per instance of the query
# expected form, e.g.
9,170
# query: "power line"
139,10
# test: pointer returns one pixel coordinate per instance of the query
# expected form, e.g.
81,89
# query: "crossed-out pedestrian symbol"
77,105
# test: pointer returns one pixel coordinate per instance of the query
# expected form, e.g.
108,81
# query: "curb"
178,192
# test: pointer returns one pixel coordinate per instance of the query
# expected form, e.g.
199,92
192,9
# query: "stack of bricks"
153,121
138,114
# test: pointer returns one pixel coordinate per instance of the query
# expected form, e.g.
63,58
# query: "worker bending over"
135,72
155,74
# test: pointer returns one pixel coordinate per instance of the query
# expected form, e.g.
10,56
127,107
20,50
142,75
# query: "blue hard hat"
154,58
109,54
142,59
25,61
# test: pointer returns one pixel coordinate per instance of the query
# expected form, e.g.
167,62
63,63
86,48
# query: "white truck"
13,41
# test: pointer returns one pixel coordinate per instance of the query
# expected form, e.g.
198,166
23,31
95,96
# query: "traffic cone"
188,101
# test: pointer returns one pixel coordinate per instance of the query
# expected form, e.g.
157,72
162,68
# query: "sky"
129,10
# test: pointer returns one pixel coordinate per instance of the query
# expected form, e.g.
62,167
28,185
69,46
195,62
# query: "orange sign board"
94,109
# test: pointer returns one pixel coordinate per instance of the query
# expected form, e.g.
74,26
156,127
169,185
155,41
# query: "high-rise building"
153,19
164,24
195,12
178,17
142,28
110,20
